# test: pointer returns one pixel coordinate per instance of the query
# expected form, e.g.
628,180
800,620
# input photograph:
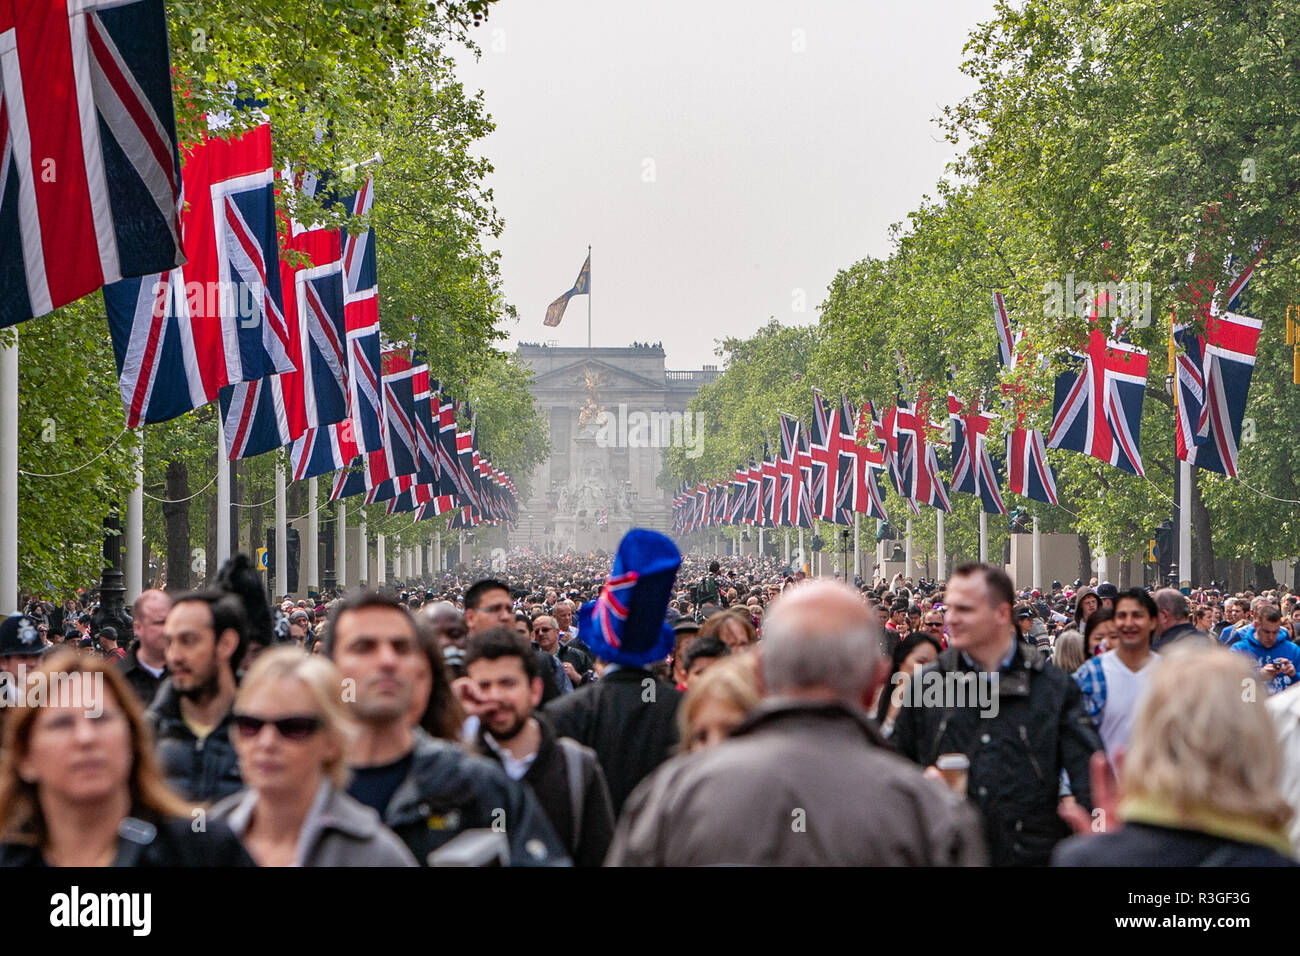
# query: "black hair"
1142,597
710,646
227,612
523,616
498,642
1001,590
357,602
474,593
1099,616
904,648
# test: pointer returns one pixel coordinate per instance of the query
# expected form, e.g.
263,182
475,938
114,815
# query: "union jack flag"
1028,472
919,462
736,497
1098,409
974,472
753,483
796,473
179,337
1214,373
263,415
770,504
859,469
327,448
823,447
611,605
89,175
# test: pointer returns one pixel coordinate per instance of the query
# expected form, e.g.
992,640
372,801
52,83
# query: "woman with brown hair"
734,626
79,785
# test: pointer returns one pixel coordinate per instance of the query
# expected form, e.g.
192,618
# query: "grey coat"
800,783
338,831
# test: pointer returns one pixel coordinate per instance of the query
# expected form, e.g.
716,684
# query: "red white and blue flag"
859,468
974,471
1097,408
181,336
89,174
1029,474
918,460
1214,373
823,446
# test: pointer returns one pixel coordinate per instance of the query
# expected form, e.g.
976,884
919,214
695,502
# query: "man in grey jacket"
806,779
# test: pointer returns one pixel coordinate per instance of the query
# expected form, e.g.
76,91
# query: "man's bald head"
447,623
820,640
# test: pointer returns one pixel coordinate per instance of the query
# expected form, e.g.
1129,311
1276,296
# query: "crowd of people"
649,708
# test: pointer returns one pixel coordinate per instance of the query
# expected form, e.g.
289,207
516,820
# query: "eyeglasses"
542,628
290,728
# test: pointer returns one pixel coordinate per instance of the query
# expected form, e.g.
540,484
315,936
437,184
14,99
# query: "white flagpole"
437,551
1038,557
857,555
907,557
223,501
341,546
134,576
363,552
381,572
281,585
1184,527
311,560
940,545
9,476
984,536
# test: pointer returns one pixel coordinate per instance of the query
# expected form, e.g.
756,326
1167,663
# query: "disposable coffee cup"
955,768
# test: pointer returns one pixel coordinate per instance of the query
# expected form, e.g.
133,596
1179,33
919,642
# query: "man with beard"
426,790
563,774
191,715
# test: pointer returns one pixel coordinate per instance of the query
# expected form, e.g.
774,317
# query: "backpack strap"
574,761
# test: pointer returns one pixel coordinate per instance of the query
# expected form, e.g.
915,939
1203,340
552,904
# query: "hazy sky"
723,158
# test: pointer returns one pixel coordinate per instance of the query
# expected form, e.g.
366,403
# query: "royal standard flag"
582,286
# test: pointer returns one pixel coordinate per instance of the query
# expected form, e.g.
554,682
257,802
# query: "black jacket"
142,682
169,842
199,770
549,779
1016,755
629,718
448,791
1179,632
1143,844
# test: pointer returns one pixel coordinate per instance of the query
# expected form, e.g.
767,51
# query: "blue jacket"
1284,648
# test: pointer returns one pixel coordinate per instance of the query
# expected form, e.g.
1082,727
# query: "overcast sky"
723,158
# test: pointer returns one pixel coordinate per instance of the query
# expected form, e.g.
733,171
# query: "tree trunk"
1085,560
1236,575
1125,574
1203,567
176,521
1265,579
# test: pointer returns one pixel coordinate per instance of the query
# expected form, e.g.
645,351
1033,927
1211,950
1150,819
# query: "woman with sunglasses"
292,731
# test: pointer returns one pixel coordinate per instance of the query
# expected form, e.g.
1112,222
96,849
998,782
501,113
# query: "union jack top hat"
625,624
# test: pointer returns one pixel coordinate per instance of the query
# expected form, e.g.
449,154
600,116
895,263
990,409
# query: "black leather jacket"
199,770
1016,754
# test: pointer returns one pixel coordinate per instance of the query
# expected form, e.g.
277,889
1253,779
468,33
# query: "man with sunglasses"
206,636
546,637
932,624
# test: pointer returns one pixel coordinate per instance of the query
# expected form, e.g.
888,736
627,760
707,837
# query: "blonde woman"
718,702
79,785
292,731
1200,783
1068,653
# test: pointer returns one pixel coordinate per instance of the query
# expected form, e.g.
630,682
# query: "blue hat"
625,624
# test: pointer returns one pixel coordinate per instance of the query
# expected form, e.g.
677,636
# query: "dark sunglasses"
290,728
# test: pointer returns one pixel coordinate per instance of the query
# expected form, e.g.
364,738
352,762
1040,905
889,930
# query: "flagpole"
1184,526
223,502
940,544
381,559
9,476
280,587
1038,557
984,536
311,560
135,527
907,557
589,296
857,558
341,545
